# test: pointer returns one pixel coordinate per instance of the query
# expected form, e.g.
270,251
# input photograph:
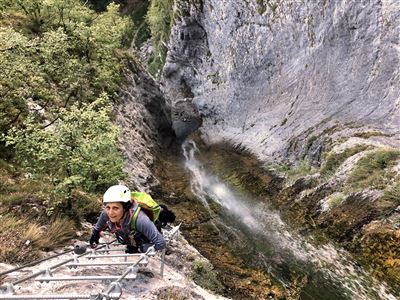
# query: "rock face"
146,127
185,118
280,77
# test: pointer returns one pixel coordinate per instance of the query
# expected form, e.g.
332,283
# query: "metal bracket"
143,261
133,271
116,291
46,274
151,251
100,296
74,264
92,254
7,289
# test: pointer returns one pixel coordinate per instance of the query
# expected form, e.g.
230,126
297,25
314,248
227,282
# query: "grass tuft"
392,194
334,160
303,169
14,247
368,134
20,241
56,235
374,170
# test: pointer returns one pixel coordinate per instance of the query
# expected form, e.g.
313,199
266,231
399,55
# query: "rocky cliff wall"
287,78
145,121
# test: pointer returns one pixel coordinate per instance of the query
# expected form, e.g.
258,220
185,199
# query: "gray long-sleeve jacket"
143,225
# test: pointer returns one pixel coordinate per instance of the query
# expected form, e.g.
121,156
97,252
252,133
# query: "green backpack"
147,204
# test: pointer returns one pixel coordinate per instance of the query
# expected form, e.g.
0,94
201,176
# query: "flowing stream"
266,241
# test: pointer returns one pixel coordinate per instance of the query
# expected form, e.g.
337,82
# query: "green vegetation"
293,173
334,160
301,170
310,141
59,53
335,199
263,4
20,240
374,170
379,249
368,134
160,18
392,193
204,275
62,65
309,22
80,151
142,31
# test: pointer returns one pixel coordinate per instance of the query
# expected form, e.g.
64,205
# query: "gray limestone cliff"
285,79
145,121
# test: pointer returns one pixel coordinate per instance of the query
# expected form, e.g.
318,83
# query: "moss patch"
379,249
205,275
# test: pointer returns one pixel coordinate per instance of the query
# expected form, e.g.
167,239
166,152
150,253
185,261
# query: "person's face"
115,211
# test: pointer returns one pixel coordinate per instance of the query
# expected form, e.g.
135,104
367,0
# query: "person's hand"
94,239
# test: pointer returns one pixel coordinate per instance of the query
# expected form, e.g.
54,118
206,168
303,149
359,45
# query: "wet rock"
185,118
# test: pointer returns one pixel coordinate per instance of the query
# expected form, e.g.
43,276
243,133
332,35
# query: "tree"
160,18
78,151
65,54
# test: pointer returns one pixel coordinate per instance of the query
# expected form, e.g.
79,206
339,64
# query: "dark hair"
126,205
166,215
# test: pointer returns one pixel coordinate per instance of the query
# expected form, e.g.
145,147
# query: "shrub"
160,18
66,54
80,151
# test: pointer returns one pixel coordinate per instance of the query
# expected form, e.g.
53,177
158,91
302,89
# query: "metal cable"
114,290
34,262
56,265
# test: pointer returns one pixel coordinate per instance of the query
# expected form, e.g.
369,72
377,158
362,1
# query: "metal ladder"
108,250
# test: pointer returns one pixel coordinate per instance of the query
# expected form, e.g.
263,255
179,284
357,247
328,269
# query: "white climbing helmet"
117,193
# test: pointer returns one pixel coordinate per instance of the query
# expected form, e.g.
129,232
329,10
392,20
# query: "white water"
335,264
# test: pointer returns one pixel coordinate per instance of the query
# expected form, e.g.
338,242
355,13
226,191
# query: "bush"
160,18
65,54
392,193
79,151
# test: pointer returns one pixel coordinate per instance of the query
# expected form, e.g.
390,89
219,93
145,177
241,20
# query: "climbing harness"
105,251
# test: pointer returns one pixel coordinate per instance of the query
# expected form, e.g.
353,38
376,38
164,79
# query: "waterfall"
205,186
328,265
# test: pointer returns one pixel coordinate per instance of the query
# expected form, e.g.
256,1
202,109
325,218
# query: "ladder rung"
73,278
100,264
65,296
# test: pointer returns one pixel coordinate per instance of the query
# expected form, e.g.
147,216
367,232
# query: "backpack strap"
134,218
